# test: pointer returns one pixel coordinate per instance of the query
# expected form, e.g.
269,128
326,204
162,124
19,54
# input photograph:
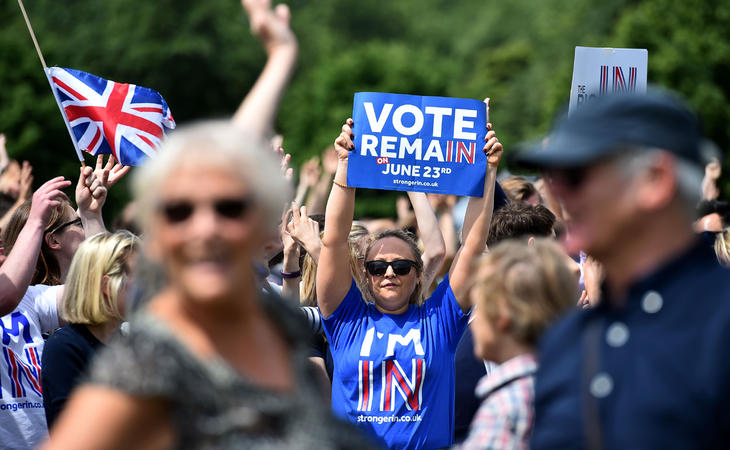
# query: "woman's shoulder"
74,335
65,338
146,360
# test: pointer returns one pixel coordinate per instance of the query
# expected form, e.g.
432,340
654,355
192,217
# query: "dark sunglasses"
76,221
225,208
400,267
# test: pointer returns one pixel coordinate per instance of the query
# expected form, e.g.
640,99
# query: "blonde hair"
531,281
722,247
216,144
104,254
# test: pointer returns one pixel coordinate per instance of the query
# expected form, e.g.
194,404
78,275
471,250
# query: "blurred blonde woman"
94,304
210,361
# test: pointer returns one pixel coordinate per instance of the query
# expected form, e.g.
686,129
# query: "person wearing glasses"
210,361
41,238
394,351
647,367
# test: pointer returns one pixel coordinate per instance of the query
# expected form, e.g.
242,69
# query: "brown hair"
47,271
518,189
517,220
532,281
416,297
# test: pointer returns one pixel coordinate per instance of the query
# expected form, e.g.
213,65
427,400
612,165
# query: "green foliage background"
201,56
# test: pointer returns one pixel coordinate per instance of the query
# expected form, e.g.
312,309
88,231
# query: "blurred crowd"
236,304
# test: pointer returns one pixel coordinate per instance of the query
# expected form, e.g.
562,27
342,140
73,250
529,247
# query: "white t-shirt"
22,417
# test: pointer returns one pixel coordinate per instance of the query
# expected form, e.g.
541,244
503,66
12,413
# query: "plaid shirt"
504,419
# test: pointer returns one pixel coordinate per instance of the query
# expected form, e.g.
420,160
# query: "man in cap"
647,368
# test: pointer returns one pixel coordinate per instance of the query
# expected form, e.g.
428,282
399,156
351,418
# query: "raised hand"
493,148
47,198
25,186
344,142
304,230
713,169
287,171
91,191
329,161
286,239
310,172
4,158
115,171
270,26
406,217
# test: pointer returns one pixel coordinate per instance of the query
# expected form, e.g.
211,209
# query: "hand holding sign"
343,143
493,148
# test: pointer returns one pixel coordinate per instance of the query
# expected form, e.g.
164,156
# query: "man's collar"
512,369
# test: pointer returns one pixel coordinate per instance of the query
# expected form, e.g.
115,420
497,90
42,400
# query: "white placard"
599,71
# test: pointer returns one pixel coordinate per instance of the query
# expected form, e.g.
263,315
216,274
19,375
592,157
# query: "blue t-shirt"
394,374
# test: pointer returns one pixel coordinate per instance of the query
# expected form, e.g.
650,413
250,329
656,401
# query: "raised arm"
333,272
434,247
291,273
305,231
90,197
308,176
258,110
476,237
318,195
16,272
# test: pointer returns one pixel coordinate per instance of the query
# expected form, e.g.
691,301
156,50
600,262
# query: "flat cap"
613,122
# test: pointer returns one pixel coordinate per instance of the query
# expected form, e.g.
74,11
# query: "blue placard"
416,143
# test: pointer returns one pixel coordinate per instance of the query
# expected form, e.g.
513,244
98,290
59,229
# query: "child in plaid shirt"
521,286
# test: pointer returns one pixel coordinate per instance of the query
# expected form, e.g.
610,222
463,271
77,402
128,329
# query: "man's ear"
531,241
51,241
659,184
504,321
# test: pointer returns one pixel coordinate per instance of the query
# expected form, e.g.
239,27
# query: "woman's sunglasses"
76,221
225,208
400,267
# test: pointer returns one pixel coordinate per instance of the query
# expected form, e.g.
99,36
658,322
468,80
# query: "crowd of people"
228,308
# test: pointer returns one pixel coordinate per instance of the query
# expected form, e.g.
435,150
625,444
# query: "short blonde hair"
84,300
215,144
532,281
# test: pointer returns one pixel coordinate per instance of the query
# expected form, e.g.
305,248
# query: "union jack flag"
104,117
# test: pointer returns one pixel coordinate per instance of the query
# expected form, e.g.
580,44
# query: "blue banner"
415,143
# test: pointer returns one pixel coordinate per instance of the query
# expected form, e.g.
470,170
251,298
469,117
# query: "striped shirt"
504,419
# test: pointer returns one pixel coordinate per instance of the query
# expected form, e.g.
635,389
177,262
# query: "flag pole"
50,82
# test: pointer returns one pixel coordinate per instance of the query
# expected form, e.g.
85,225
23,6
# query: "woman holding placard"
394,356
